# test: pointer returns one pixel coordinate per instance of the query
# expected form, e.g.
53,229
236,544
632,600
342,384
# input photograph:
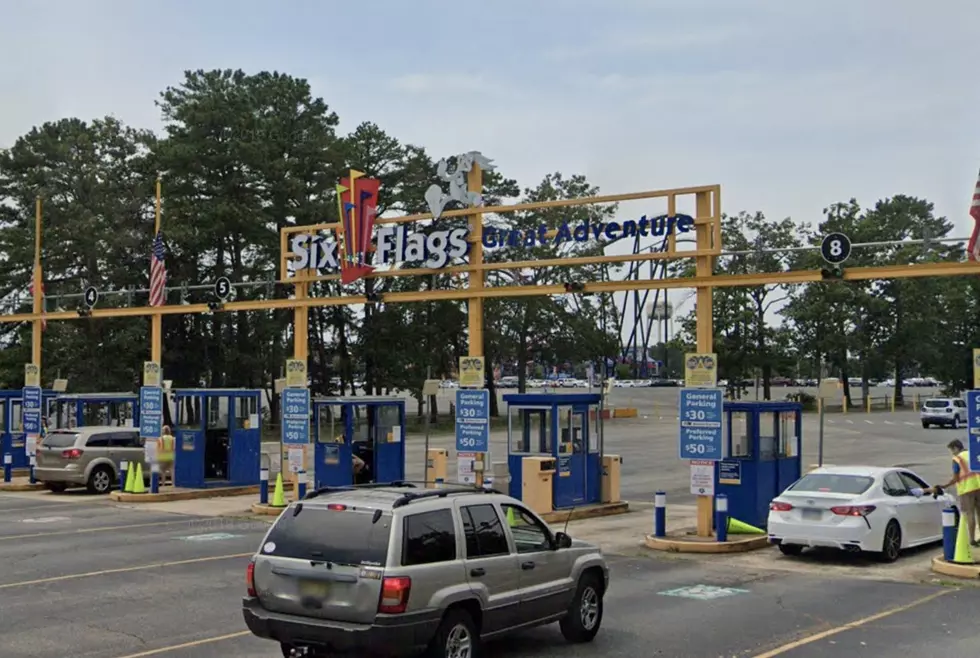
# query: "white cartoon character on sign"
437,199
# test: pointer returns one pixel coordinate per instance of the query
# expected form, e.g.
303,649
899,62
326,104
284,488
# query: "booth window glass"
768,431
214,413
331,424
787,433
361,424
188,411
3,417
568,441
530,430
16,417
245,408
388,415
738,434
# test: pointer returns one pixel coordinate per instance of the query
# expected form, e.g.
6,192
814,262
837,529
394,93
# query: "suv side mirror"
562,540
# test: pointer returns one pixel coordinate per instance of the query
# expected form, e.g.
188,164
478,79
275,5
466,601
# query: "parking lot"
87,578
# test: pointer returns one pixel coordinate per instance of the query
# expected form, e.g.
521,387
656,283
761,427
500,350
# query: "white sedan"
857,508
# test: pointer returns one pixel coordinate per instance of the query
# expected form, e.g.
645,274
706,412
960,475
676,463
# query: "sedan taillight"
852,510
780,507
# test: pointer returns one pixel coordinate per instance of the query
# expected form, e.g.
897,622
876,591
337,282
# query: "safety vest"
165,452
966,480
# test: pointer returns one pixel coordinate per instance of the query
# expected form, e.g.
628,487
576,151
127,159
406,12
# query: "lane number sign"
222,288
91,296
835,248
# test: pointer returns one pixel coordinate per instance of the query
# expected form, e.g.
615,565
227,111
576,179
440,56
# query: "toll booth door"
18,439
244,450
571,476
333,434
389,442
189,448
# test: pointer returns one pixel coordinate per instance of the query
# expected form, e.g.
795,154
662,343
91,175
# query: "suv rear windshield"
831,483
938,404
346,536
60,439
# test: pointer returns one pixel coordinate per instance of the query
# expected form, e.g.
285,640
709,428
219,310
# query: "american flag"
30,289
158,272
973,248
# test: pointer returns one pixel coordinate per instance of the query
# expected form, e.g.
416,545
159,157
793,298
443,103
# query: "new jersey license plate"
314,588
812,514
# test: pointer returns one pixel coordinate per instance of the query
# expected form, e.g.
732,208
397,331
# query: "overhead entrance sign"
472,421
701,423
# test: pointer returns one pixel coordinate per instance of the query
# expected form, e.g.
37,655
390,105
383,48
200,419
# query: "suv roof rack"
409,496
355,487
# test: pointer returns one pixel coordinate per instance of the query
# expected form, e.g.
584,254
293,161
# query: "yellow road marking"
81,531
188,645
105,572
850,626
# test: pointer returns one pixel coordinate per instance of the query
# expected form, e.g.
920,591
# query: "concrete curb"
706,544
266,510
189,494
587,512
21,486
941,566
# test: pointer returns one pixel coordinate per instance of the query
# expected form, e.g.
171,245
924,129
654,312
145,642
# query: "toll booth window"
787,434
362,424
331,424
214,413
768,433
94,414
3,417
245,408
738,434
566,433
388,416
16,417
189,413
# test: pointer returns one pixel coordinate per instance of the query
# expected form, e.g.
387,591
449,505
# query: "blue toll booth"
372,428
94,409
13,440
218,437
556,428
763,443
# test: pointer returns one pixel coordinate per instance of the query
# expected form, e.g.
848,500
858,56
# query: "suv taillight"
394,595
250,579
74,453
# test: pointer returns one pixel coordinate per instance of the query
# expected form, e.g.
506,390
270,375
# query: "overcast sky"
789,105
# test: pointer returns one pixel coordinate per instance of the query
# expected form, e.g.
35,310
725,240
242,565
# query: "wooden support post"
705,320
474,183
37,326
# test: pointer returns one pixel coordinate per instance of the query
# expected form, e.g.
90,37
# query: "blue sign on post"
295,416
472,420
973,428
32,410
151,412
701,420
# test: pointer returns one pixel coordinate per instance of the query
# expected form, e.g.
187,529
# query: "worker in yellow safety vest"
967,487
165,456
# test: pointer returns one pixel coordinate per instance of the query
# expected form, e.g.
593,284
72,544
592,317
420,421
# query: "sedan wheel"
892,544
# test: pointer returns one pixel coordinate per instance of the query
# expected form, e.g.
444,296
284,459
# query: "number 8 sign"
835,248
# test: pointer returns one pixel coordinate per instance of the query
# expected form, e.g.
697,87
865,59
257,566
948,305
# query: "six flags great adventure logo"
353,254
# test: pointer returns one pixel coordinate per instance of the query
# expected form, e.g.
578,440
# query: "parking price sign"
151,412
701,423
32,410
472,420
295,416
973,428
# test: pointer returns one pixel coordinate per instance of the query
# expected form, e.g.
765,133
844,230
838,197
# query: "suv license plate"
316,588
812,514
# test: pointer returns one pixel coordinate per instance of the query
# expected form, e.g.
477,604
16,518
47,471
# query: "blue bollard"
154,478
721,517
123,470
301,480
264,486
439,482
949,534
8,467
660,514
33,479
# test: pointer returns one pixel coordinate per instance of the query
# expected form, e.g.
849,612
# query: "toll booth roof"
762,405
19,392
96,396
549,399
215,392
360,399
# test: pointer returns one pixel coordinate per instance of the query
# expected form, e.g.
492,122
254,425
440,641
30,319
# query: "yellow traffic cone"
278,497
736,527
963,554
130,477
138,486
511,521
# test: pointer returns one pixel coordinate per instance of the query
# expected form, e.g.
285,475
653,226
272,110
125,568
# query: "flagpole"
156,320
38,287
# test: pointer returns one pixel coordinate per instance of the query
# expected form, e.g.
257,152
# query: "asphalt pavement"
90,579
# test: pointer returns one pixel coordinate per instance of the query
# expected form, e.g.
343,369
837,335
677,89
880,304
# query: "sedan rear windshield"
938,404
832,483
347,536
60,439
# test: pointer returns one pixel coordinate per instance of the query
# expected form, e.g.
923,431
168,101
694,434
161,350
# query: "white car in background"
855,509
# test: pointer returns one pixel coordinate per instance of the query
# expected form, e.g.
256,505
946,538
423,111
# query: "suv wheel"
925,425
101,480
585,614
456,637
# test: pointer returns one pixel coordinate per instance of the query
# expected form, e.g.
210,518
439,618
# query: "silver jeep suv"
394,570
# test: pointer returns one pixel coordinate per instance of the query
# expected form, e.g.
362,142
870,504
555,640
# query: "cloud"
441,83
648,41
